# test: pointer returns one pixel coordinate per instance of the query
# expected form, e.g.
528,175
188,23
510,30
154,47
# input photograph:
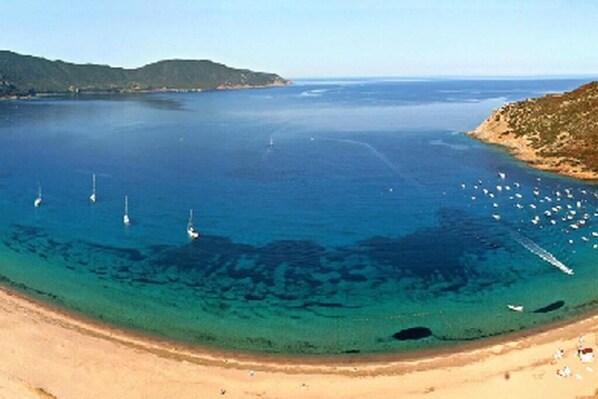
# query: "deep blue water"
352,229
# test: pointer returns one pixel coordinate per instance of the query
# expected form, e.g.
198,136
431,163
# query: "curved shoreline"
500,129
519,149
153,91
81,321
57,340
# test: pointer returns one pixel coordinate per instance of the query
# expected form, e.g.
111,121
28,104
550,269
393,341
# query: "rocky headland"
557,132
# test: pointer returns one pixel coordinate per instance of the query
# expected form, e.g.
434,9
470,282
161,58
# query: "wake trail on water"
541,253
375,152
381,157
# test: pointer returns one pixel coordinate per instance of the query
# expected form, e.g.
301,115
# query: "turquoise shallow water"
353,233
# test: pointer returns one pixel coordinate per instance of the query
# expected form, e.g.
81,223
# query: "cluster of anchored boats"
191,231
566,209
559,208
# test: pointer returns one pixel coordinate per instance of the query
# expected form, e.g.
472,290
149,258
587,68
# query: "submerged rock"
412,333
550,308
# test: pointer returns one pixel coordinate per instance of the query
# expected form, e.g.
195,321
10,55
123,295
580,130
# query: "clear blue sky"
322,38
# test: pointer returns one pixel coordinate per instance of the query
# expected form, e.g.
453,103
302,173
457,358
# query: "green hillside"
24,75
563,125
557,132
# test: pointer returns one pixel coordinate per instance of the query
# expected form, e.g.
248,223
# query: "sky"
323,38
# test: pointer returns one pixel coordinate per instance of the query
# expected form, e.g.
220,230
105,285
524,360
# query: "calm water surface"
368,227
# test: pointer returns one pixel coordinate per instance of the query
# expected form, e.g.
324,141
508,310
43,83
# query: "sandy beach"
48,354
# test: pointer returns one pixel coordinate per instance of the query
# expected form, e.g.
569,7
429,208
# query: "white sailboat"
191,232
93,197
38,201
126,219
271,143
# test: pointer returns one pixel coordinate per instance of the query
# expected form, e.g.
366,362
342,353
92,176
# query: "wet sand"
47,353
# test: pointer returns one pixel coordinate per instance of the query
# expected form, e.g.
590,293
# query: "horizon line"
449,77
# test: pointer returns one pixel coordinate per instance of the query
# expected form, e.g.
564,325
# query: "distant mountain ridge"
558,132
29,75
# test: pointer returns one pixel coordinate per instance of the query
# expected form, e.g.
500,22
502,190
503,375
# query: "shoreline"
133,91
32,329
496,130
518,149
84,322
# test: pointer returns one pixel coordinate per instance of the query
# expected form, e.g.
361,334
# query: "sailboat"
271,143
93,197
38,201
126,219
191,232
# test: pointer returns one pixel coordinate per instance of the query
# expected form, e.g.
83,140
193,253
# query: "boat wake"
375,152
541,253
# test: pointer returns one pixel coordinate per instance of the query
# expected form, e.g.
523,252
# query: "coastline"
133,91
496,130
48,352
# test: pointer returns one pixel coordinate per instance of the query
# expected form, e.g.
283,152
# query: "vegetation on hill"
556,132
29,75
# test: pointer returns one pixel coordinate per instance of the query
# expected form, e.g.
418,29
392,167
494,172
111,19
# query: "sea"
337,216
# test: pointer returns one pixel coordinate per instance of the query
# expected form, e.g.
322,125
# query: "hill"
28,75
557,132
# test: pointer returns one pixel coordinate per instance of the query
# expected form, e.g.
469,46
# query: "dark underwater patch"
412,333
292,273
550,308
132,254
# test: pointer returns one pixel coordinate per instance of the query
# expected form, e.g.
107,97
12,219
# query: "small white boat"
93,197
126,220
38,201
191,232
502,175
496,217
515,308
271,143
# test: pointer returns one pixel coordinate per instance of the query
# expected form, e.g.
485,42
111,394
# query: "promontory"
557,132
25,75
